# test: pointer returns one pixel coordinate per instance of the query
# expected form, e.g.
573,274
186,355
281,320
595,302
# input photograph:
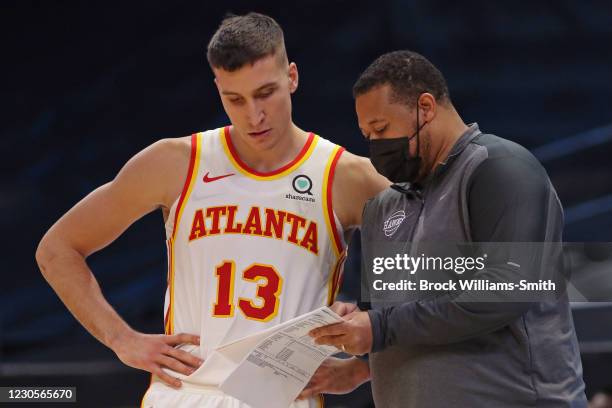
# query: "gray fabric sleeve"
509,201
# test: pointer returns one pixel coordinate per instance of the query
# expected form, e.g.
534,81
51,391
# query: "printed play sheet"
272,373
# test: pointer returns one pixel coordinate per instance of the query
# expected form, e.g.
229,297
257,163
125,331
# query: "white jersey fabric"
248,250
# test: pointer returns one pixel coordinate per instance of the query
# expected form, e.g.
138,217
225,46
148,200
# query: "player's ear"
293,77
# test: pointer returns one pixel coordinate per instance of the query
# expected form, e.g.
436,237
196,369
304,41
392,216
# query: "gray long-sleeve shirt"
436,352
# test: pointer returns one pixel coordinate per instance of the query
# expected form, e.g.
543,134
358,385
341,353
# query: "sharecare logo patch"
393,222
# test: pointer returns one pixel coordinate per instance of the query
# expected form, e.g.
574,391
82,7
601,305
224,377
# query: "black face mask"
391,157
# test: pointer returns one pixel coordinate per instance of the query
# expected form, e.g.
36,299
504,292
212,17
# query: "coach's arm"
150,180
509,201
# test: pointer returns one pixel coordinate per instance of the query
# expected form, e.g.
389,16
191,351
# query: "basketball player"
257,218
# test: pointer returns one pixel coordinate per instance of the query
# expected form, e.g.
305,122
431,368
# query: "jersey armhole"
194,160
329,215
337,242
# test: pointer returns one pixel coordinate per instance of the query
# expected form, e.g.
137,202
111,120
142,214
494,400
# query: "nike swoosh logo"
210,179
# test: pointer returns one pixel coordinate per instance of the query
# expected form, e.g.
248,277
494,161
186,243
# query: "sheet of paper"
274,369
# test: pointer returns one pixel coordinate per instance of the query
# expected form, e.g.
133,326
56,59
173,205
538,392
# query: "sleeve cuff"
378,330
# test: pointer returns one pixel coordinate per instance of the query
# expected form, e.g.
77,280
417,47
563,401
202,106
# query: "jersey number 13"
268,292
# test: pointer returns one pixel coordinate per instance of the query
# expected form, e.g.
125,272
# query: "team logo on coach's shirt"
393,222
301,184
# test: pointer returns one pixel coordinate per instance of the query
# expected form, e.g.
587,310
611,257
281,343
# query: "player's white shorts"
159,395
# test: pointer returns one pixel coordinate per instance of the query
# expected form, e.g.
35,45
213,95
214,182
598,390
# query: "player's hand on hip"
152,352
337,376
342,308
352,336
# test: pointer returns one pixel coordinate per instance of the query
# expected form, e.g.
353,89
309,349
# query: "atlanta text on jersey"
267,223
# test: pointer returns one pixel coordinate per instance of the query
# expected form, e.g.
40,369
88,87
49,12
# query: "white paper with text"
272,367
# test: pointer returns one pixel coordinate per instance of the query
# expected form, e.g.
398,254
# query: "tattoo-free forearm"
70,277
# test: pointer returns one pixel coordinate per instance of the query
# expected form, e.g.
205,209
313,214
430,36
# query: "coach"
455,183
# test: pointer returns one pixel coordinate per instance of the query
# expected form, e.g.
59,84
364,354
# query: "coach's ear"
293,77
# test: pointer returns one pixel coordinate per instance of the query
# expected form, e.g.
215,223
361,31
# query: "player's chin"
265,142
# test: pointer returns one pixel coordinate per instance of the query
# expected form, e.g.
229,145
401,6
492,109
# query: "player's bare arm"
150,180
355,182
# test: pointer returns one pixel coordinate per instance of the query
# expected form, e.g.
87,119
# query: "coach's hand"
152,352
353,335
342,308
337,376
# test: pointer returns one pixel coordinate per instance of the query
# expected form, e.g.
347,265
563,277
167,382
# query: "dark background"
86,85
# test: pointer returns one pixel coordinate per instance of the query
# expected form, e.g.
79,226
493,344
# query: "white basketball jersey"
248,250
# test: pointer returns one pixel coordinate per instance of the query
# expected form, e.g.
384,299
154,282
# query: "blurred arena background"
86,85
